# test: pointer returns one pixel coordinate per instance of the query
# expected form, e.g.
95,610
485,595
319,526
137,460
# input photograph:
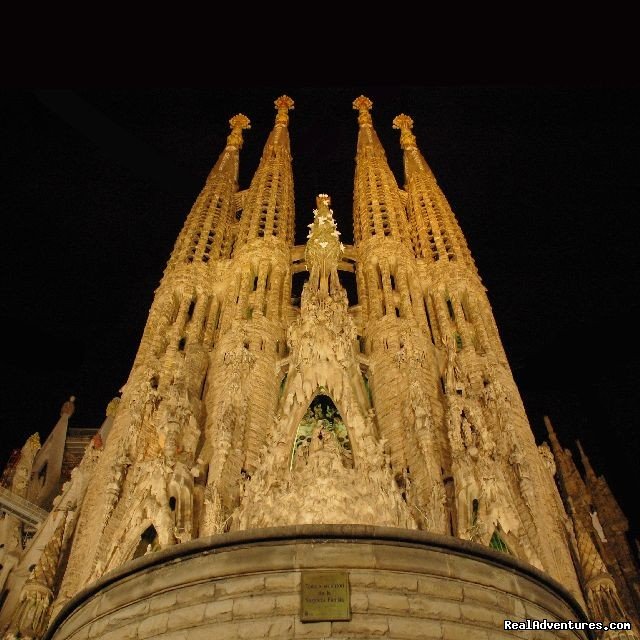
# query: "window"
42,474
426,312
450,309
498,543
148,542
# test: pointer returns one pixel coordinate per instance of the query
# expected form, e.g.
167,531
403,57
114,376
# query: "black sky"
544,181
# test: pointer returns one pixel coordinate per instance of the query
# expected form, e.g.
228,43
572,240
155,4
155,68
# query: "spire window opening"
450,309
426,312
191,309
181,344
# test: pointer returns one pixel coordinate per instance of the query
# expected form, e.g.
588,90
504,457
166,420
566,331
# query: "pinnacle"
405,124
362,103
240,121
283,104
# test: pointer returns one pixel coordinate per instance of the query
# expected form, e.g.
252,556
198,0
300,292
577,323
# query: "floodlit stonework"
260,436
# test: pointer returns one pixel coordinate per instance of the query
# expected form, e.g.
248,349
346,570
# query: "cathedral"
304,467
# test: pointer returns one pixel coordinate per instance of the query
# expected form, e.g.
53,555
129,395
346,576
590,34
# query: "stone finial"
323,198
405,124
33,442
363,105
283,104
68,407
237,123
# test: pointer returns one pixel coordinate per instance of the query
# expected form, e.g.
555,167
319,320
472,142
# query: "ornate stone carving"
32,614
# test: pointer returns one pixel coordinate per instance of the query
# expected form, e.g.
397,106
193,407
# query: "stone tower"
321,470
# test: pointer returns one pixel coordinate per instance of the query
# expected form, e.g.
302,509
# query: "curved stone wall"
246,585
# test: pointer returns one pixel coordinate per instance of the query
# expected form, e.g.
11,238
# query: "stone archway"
322,420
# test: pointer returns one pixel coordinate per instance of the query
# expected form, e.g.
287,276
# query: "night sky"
544,181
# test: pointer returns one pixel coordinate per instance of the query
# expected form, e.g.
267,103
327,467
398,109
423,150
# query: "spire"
556,447
206,233
269,206
436,233
571,481
377,206
586,463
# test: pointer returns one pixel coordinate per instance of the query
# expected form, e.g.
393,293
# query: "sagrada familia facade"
262,442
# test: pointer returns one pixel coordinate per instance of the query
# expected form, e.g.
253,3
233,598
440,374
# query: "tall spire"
437,235
377,206
586,463
206,233
269,207
569,476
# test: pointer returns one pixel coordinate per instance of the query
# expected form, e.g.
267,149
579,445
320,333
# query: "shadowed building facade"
263,442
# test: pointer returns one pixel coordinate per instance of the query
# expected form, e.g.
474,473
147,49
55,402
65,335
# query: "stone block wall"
246,585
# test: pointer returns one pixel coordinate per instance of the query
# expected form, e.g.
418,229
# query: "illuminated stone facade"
245,411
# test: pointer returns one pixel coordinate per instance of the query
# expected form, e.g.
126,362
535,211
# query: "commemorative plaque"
325,596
